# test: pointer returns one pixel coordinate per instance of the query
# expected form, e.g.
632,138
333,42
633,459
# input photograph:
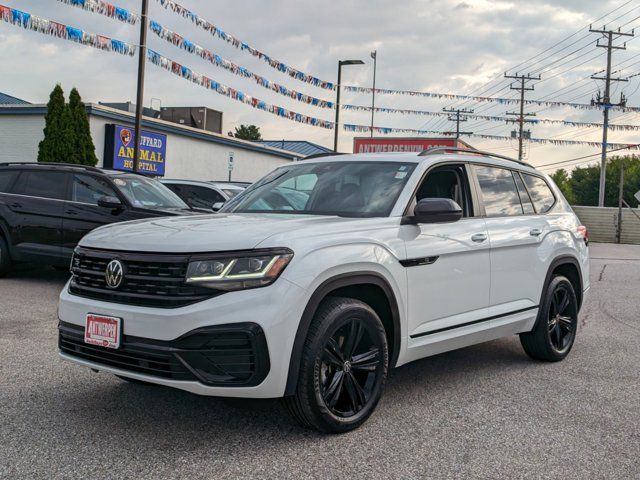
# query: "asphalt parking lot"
482,412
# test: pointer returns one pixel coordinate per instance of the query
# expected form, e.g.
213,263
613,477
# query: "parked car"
328,272
203,195
45,209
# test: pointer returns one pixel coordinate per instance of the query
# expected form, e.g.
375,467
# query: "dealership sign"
119,142
407,144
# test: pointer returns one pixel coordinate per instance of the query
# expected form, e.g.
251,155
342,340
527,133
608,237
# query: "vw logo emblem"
114,274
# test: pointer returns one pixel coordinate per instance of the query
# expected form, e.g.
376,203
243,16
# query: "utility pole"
457,118
142,58
620,201
605,100
523,79
341,63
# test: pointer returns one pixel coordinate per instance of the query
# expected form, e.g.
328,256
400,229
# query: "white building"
189,153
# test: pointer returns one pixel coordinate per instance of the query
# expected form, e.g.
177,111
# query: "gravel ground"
482,412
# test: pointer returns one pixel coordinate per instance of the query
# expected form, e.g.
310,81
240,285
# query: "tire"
553,336
343,367
5,258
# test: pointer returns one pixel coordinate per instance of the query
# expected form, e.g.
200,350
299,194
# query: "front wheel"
555,331
343,369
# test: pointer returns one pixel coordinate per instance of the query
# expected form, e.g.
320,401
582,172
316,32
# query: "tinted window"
499,191
447,182
146,192
87,189
45,184
6,179
541,194
524,196
201,197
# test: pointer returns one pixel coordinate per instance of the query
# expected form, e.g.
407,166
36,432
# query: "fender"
556,262
333,283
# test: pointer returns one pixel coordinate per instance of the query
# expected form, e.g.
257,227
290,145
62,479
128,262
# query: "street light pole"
142,58
338,87
374,55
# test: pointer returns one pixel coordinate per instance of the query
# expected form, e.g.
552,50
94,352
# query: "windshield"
147,193
353,189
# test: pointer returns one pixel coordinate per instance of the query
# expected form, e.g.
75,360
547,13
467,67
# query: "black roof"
62,166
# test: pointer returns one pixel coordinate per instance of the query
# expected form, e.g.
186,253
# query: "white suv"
320,277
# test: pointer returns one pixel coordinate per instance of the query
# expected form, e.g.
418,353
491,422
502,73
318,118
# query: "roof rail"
435,150
54,164
320,155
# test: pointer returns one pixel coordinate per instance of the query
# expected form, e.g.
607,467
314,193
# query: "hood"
200,233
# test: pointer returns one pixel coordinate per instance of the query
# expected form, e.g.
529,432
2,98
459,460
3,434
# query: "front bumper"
183,347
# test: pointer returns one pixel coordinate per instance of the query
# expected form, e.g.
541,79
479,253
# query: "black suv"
45,209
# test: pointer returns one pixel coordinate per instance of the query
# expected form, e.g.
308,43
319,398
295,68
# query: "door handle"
71,212
16,205
535,232
479,237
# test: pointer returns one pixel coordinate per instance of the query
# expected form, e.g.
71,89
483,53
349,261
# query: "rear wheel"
343,368
5,258
555,331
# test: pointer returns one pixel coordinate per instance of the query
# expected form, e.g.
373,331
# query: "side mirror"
436,210
217,206
111,203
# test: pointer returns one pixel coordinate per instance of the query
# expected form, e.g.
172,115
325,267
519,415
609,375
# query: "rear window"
540,192
43,184
6,179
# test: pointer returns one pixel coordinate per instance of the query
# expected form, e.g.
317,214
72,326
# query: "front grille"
225,355
151,280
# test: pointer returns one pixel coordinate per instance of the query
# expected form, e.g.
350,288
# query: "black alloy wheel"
349,366
555,330
343,367
562,319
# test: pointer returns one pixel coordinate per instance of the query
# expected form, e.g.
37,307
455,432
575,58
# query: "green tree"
84,151
49,149
248,132
563,181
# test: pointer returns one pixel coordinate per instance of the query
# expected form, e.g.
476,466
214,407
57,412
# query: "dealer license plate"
103,331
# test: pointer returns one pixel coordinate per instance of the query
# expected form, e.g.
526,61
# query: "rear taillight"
584,233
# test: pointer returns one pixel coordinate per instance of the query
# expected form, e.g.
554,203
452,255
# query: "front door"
447,264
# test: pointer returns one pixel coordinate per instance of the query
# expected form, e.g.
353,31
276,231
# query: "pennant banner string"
66,32
550,141
219,33
307,78
105,8
193,48
210,84
492,118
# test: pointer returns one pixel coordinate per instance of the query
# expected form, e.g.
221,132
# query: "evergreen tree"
563,181
48,149
248,132
84,150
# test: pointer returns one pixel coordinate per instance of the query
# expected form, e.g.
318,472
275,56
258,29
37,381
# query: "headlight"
252,269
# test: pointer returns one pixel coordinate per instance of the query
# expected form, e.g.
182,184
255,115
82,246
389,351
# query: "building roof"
302,147
158,125
9,100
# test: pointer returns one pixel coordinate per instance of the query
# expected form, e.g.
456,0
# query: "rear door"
447,265
516,232
82,212
37,204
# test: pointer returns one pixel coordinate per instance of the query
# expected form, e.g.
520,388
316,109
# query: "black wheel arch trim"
556,262
326,287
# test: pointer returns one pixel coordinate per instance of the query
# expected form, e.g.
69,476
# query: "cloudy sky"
451,46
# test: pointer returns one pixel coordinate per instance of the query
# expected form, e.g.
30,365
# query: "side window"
88,189
43,184
499,192
6,179
201,197
448,181
524,195
541,194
